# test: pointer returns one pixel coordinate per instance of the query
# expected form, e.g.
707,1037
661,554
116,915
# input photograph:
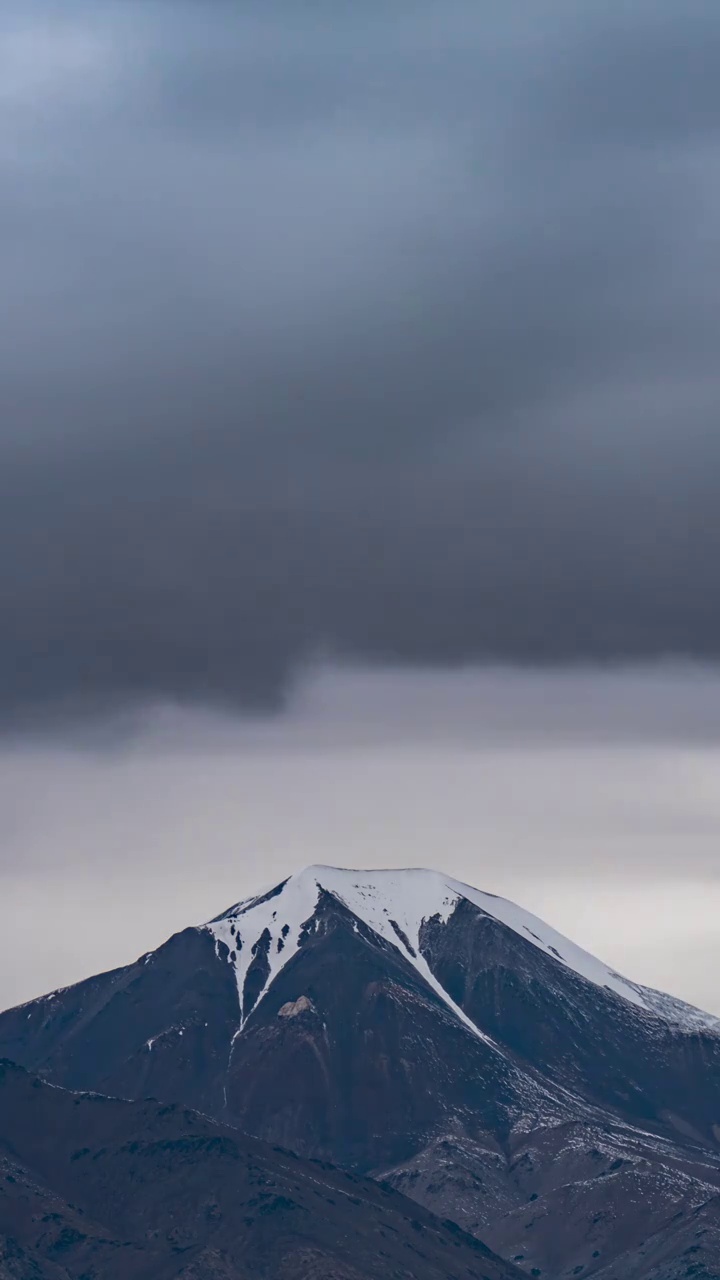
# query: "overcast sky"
351,338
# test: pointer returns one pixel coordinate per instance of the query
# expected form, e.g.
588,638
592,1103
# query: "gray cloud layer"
383,333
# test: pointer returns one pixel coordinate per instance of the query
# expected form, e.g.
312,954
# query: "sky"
359,459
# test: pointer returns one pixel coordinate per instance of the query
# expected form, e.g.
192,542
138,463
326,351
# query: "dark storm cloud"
390,335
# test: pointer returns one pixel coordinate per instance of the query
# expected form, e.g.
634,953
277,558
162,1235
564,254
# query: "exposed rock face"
294,1008
410,1028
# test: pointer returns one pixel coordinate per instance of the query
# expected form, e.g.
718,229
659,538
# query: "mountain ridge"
97,1188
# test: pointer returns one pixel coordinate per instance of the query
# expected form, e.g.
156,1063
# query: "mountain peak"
395,903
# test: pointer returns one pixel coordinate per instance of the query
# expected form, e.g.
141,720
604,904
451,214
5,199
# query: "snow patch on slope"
282,914
676,1012
671,1010
547,939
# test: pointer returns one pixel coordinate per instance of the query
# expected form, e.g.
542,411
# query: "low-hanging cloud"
390,336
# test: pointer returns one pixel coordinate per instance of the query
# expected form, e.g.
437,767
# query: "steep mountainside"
408,1026
96,1189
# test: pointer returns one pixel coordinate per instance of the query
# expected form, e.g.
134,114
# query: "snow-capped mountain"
398,905
406,1025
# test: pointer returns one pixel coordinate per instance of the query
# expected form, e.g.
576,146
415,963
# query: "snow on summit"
394,904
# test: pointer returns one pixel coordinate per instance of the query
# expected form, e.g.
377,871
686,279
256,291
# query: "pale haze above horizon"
589,799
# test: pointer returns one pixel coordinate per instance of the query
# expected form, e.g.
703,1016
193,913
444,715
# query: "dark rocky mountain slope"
92,1188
